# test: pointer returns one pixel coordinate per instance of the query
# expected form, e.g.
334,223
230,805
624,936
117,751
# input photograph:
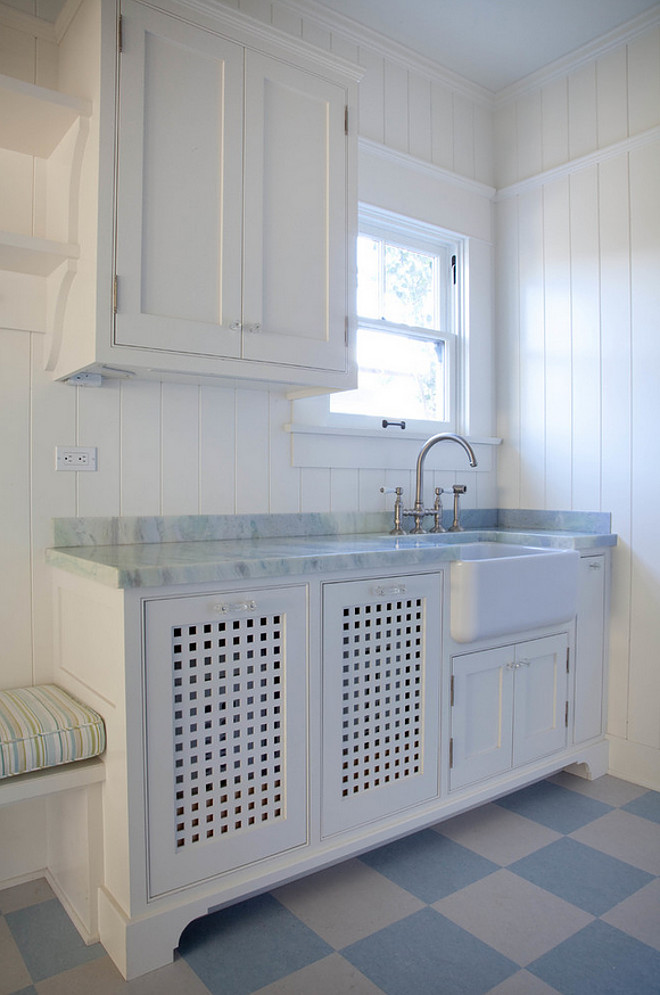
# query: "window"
407,304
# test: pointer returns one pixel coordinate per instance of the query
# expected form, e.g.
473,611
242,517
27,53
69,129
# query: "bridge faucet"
418,509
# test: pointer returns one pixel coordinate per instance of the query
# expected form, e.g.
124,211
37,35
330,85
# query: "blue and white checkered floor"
555,888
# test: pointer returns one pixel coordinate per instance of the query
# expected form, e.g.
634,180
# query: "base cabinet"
226,714
263,730
382,655
509,706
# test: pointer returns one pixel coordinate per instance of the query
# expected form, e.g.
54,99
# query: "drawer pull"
235,608
383,590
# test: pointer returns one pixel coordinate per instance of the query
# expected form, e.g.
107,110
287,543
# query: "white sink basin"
499,588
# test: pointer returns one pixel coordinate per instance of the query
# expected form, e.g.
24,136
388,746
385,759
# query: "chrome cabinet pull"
256,327
384,590
234,608
235,326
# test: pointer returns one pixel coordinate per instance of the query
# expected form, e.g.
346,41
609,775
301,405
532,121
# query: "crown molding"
361,35
622,35
584,162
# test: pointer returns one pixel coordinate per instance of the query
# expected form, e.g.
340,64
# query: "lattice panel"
228,726
382,693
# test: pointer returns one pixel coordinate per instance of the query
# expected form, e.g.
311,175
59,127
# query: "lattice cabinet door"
226,728
381,675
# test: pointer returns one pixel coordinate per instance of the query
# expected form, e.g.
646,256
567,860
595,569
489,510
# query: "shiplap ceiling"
492,42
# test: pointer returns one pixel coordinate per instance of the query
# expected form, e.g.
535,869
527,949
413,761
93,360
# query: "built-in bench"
50,746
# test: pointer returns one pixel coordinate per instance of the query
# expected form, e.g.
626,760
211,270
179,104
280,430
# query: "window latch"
386,424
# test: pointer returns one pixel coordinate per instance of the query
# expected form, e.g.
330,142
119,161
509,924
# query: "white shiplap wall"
578,346
178,449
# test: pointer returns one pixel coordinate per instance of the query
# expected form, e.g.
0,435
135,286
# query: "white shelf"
36,256
38,784
34,119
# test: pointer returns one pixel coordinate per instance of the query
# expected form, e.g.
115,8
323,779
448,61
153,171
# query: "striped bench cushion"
43,726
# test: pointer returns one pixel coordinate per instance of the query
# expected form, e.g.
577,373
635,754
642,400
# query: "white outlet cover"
76,459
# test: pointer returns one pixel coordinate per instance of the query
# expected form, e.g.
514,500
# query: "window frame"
409,233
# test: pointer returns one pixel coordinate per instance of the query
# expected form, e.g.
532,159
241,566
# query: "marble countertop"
257,554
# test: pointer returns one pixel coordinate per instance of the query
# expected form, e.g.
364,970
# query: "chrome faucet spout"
418,508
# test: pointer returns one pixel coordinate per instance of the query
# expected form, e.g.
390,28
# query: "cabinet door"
226,727
295,251
540,698
381,665
482,714
590,649
179,187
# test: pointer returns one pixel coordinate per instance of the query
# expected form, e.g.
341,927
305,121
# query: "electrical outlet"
76,458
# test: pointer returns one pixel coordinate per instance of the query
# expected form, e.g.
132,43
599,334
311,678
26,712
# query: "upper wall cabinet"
235,204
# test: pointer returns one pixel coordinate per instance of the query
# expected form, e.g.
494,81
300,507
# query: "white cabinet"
226,717
381,665
509,706
235,208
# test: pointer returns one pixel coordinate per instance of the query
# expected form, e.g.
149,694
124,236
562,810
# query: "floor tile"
582,876
608,789
625,836
101,977
514,916
428,865
558,808
22,895
347,902
497,834
639,915
523,983
250,945
647,805
426,954
14,974
600,960
331,976
48,941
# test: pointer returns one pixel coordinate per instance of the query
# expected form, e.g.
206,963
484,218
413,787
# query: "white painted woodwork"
295,236
179,186
540,698
588,253
226,715
508,707
482,715
590,649
33,119
381,643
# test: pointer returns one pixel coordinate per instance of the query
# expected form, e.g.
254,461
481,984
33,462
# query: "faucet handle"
392,490
398,509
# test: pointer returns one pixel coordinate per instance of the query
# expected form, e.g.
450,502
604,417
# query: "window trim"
410,232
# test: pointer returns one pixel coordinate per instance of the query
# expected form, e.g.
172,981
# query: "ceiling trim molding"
584,162
361,35
622,35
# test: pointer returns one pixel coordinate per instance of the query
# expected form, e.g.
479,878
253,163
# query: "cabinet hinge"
451,753
120,34
346,119
568,657
114,294
566,715
451,691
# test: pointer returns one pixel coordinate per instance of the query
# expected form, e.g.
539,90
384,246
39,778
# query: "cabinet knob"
235,607
235,326
256,327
